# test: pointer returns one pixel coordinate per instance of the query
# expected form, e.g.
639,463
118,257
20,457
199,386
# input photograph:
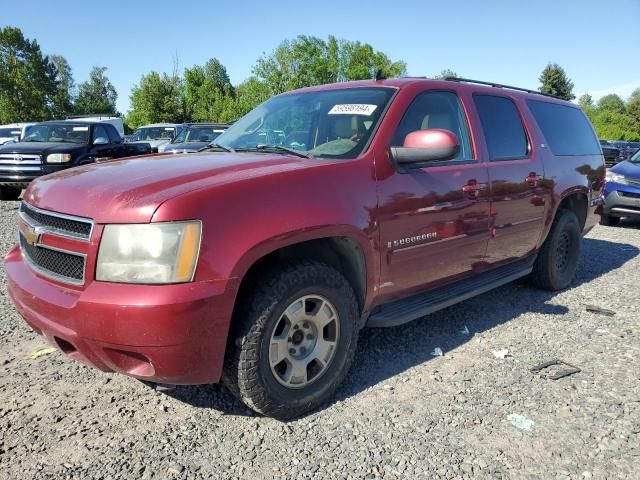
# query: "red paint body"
252,204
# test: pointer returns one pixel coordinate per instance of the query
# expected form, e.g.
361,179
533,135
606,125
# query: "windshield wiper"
216,146
277,148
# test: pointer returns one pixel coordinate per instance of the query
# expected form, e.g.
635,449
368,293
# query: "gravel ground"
403,413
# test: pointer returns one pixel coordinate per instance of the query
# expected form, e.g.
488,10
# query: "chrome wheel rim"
304,341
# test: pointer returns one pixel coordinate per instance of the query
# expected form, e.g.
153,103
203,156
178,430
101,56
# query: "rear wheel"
609,221
10,193
557,260
294,340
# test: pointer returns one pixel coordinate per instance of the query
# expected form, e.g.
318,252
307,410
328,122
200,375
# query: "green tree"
97,95
447,73
63,98
208,93
306,61
27,78
555,81
249,94
585,101
612,103
157,98
633,108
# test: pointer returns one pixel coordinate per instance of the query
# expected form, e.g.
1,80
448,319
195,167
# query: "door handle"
473,188
533,179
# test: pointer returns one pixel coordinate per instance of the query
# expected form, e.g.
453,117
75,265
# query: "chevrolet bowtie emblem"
31,235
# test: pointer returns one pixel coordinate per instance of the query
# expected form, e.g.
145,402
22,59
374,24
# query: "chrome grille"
64,266
56,223
18,162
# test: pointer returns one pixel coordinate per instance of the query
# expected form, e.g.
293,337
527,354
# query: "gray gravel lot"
402,413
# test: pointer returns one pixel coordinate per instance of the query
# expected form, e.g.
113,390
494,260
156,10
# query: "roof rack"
87,115
499,85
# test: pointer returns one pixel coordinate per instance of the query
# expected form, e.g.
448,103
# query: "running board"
416,306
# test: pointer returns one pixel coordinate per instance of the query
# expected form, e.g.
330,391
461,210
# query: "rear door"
519,193
433,220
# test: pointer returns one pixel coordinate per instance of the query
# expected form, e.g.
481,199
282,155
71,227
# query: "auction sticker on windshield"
80,129
353,109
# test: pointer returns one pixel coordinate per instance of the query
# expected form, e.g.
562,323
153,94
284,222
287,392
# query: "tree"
97,95
249,94
585,101
157,98
63,98
633,108
554,81
306,61
611,103
208,93
27,78
447,73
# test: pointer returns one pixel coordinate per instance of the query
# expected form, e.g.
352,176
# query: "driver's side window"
99,131
441,110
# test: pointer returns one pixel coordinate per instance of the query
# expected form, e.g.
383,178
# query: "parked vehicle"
157,134
96,117
50,147
194,137
323,210
622,191
13,132
611,153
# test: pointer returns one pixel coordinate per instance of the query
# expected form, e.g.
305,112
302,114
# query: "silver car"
157,134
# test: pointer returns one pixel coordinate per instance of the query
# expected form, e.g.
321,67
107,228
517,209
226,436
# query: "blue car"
622,191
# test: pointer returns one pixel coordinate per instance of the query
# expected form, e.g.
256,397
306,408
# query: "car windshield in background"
153,133
326,124
58,133
198,134
636,157
9,132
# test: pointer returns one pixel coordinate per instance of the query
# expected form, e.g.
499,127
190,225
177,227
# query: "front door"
433,220
516,174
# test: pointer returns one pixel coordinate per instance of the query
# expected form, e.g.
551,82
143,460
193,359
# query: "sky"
597,42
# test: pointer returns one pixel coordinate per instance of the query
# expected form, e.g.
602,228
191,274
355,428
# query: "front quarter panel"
246,219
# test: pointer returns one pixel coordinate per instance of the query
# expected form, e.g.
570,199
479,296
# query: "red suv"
320,212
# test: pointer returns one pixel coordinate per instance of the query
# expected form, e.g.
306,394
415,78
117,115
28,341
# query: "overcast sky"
507,42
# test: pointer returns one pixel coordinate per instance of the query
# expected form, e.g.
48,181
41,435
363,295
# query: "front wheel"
10,193
557,260
294,340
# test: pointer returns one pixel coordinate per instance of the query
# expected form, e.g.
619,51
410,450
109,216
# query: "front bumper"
622,202
167,334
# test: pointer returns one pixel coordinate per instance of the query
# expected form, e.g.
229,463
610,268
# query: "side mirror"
101,141
424,147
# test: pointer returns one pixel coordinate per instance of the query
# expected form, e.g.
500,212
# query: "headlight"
612,177
58,158
150,253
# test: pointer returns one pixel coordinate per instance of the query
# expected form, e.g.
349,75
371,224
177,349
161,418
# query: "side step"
419,305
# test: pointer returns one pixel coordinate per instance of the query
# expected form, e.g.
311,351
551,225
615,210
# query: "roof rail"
499,85
86,115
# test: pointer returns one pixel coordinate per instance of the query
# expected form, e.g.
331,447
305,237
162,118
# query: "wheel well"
342,253
577,203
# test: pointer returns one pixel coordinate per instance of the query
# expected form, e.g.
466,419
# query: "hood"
4,140
155,143
40,147
628,169
185,147
130,190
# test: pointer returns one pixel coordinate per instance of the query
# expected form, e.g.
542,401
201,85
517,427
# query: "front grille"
56,223
54,263
16,162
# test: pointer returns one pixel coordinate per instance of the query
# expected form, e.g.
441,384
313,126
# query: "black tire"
609,221
248,373
10,193
558,258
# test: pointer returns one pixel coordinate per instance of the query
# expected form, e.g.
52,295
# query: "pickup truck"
322,211
49,147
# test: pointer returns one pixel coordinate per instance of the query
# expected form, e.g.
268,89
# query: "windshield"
58,133
327,124
10,132
200,133
153,133
636,157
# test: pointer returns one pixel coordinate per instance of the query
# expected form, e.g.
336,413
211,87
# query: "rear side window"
566,129
502,126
